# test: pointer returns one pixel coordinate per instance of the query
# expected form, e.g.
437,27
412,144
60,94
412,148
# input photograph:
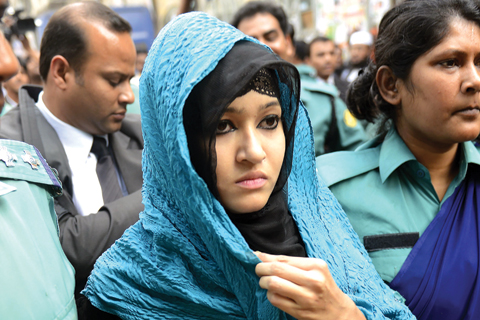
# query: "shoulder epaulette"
320,88
338,166
21,161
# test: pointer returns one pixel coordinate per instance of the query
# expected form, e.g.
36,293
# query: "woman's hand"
304,288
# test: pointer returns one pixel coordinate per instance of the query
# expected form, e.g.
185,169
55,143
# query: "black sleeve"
85,238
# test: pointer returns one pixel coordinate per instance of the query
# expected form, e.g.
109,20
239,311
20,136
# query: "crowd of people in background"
233,171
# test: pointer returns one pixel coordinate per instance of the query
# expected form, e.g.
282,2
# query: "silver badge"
7,157
28,158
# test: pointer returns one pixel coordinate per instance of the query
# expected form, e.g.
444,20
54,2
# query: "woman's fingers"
298,262
304,288
298,295
281,302
301,271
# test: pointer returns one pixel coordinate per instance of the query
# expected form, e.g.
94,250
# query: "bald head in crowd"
87,58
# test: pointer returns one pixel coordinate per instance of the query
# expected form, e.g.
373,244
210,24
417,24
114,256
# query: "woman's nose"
472,81
251,148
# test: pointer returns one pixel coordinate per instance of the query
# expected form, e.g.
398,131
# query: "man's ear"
60,71
387,83
291,47
308,61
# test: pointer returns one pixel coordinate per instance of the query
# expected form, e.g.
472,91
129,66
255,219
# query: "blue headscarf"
185,259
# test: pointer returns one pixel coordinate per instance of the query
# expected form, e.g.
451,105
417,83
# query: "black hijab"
272,228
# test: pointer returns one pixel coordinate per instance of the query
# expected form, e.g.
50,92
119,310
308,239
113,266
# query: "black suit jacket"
83,238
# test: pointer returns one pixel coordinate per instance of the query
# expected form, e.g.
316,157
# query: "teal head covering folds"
185,259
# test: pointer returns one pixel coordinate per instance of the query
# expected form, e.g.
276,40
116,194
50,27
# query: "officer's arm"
352,133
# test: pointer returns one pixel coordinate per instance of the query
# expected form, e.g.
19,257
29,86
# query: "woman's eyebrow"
231,109
451,52
270,104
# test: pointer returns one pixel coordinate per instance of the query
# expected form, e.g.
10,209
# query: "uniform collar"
330,80
308,78
394,152
470,155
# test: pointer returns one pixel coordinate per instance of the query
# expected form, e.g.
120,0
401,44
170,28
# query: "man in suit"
87,58
322,56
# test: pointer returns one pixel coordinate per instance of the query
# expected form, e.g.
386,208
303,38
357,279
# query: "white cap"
361,37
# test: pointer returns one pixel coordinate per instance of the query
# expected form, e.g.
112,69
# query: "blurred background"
335,18
23,23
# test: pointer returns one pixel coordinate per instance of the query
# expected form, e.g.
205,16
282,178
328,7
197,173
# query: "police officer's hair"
65,35
406,32
318,39
254,7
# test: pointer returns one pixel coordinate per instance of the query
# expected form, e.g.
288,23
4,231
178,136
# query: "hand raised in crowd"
8,63
304,288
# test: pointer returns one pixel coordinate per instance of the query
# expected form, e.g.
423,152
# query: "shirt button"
420,174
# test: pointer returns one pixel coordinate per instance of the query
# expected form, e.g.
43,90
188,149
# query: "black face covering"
248,66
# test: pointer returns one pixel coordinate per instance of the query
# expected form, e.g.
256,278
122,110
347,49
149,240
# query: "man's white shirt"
87,192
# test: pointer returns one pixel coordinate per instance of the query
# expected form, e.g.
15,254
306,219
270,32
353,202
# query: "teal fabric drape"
185,259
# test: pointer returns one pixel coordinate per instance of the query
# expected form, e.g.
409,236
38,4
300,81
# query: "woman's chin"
246,206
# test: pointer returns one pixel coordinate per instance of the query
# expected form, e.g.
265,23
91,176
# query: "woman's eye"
449,63
224,126
270,122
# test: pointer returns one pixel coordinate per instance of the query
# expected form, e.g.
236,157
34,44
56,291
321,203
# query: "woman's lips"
253,180
469,112
252,183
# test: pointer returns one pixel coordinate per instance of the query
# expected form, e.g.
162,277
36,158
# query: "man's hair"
318,39
254,7
64,34
301,49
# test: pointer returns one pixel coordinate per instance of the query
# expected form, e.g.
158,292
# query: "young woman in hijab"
229,169
412,193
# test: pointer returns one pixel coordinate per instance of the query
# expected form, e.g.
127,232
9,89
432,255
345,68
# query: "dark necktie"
106,172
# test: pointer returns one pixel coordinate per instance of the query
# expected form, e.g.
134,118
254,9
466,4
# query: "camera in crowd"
12,22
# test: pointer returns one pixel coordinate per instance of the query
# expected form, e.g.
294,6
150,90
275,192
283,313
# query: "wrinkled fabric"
185,259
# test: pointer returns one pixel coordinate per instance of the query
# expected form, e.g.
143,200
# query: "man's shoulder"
11,123
318,87
132,127
132,120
